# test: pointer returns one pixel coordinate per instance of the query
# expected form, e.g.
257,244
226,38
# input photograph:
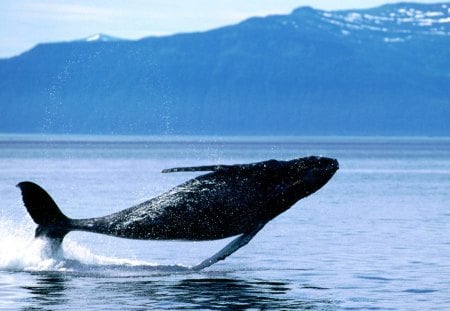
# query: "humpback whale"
229,200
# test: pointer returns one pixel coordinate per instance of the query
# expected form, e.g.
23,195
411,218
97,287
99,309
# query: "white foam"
20,251
84,255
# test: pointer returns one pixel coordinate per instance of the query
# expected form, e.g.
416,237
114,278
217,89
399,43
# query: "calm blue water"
377,236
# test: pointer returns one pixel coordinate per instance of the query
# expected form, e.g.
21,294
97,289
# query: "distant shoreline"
8,137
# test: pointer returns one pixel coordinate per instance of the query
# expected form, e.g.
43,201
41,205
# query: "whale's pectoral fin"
230,248
52,223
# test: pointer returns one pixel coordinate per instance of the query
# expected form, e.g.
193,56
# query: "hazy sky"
24,23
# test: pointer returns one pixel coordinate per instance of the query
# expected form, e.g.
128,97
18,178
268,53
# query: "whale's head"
307,175
286,182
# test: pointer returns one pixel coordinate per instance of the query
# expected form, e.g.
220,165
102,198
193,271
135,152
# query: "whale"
225,201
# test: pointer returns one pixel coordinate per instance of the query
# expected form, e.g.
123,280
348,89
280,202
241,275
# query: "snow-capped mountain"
394,22
380,71
402,20
99,37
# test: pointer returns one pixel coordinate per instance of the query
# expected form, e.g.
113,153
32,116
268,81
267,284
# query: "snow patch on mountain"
101,38
402,20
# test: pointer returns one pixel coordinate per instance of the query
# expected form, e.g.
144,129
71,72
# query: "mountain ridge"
311,72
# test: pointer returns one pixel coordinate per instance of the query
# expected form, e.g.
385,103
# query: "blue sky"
24,23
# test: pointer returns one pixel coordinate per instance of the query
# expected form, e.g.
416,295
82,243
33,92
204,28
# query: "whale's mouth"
327,164
321,166
332,167
318,172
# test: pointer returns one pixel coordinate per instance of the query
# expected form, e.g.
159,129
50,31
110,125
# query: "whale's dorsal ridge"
205,168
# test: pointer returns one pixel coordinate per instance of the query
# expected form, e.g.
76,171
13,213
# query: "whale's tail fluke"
52,223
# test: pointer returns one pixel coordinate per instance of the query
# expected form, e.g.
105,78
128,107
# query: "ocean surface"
377,236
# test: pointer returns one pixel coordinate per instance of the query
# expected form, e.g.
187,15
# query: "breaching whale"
230,200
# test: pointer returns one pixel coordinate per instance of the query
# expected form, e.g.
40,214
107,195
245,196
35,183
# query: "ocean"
377,236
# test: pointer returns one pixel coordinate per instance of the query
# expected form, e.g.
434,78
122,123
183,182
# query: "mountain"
380,71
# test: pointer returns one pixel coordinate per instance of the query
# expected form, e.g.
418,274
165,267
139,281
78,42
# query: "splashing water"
20,251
